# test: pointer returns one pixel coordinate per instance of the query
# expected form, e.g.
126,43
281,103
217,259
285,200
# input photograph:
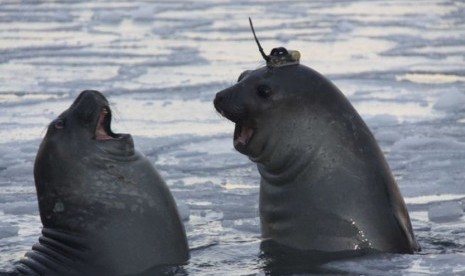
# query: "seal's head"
265,101
77,143
88,122
276,105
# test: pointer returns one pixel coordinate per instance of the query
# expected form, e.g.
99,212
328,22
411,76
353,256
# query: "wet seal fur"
105,210
325,184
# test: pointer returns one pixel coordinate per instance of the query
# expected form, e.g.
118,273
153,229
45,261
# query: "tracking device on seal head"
279,56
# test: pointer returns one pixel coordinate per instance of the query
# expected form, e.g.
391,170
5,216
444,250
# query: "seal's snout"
92,110
228,106
235,113
218,102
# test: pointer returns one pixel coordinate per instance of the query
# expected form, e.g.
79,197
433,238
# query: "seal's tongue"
100,131
243,135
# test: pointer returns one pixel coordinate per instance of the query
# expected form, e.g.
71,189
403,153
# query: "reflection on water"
282,260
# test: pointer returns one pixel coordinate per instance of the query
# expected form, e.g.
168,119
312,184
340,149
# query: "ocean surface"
160,63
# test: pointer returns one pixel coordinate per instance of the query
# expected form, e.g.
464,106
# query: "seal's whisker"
115,113
44,130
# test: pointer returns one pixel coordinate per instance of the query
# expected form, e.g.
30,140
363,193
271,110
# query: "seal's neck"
286,170
285,158
307,142
56,253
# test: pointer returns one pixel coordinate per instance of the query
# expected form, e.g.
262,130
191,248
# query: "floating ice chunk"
234,211
443,264
108,17
184,210
451,101
211,215
429,199
445,212
283,37
143,14
8,230
246,225
381,120
387,136
344,26
427,143
21,208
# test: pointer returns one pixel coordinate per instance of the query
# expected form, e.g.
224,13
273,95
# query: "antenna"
265,57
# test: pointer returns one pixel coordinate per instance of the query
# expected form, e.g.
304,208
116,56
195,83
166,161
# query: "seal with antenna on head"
325,184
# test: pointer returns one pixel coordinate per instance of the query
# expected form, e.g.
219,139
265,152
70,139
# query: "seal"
105,210
325,184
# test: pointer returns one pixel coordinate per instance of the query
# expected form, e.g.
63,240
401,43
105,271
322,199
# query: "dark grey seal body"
325,184
105,210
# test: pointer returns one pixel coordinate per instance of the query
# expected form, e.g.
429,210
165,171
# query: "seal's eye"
264,91
59,124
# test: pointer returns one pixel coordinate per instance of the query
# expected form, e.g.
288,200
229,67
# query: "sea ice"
184,210
21,208
8,230
446,211
427,143
108,17
450,101
144,13
381,120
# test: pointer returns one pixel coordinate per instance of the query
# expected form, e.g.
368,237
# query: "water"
401,63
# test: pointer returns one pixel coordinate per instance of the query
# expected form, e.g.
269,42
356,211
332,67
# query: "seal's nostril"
219,102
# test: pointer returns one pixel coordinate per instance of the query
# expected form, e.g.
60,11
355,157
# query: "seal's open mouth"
103,129
242,135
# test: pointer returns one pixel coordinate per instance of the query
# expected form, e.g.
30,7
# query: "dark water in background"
401,63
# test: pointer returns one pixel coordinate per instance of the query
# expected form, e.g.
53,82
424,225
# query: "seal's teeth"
100,131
